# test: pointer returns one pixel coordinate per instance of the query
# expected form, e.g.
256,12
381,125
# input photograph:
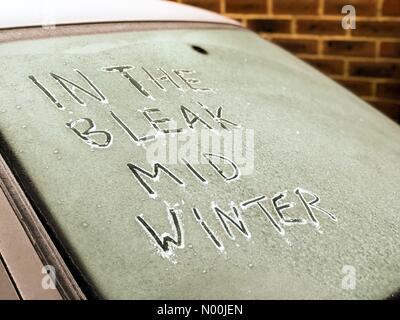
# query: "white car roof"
29,13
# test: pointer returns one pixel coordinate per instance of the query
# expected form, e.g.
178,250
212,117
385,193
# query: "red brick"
270,25
390,49
388,90
320,27
246,6
349,48
361,88
212,5
374,69
240,21
377,28
295,7
391,8
391,109
297,45
363,7
327,66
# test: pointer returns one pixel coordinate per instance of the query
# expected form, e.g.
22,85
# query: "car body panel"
25,266
7,290
28,13
28,254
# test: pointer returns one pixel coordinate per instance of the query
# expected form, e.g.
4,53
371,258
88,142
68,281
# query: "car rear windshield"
202,163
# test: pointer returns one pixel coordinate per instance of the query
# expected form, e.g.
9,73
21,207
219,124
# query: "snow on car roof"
29,13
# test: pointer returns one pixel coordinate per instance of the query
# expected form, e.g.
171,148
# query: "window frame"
41,245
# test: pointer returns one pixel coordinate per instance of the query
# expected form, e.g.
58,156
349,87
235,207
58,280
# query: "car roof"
34,13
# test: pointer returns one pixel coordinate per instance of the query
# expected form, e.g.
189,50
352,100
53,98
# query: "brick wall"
365,60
